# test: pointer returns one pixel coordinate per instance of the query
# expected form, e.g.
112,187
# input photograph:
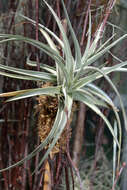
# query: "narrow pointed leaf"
101,94
79,96
94,99
54,47
23,77
43,47
49,40
105,43
115,90
50,91
102,52
75,41
46,29
67,49
42,66
49,51
30,73
85,55
14,93
106,70
94,44
114,152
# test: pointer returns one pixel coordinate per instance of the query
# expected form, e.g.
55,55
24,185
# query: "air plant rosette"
72,79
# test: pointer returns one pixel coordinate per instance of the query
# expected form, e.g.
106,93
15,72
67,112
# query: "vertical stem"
37,36
36,164
37,17
10,161
85,24
79,134
67,178
110,6
58,8
26,128
3,174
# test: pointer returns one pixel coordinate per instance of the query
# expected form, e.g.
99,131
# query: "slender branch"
37,29
85,23
118,175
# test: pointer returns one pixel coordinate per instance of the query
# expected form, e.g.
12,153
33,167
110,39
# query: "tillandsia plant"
71,80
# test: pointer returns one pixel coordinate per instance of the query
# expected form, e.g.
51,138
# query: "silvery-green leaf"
67,50
75,41
90,78
50,91
46,29
114,152
94,44
32,74
115,90
118,69
43,47
85,55
79,96
14,93
102,95
102,52
49,51
105,43
54,47
93,98
42,66
23,77
49,40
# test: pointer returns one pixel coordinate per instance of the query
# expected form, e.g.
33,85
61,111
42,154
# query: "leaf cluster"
72,78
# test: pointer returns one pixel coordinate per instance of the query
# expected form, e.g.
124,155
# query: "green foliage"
70,78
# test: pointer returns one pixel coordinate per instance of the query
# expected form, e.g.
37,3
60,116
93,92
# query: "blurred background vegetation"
92,144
